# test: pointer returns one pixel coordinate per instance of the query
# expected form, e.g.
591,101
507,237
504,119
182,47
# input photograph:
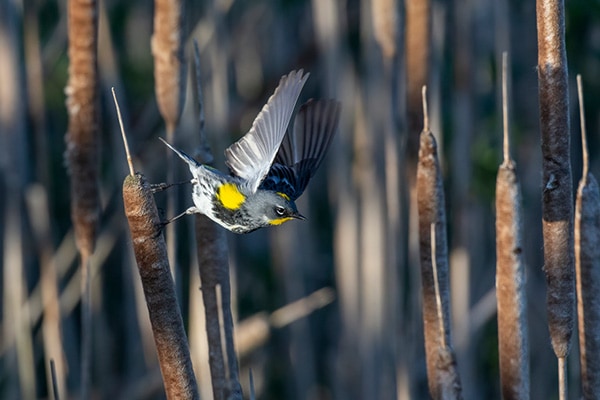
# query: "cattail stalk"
587,267
169,84
418,47
213,265
212,255
442,374
82,154
82,136
151,255
510,271
169,68
211,248
557,198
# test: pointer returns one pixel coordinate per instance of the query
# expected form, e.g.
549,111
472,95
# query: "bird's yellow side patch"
230,197
279,221
285,196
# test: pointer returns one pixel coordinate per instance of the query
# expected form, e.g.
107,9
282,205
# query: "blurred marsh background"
349,276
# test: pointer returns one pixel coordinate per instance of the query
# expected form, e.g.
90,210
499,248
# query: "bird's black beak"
299,216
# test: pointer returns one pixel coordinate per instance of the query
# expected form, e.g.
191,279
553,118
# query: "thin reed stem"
584,146
587,268
505,119
125,143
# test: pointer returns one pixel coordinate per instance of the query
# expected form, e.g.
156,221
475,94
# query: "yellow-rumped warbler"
269,169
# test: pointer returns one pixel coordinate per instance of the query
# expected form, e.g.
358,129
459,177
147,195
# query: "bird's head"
275,208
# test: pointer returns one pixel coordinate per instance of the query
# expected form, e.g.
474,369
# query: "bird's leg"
159,187
191,210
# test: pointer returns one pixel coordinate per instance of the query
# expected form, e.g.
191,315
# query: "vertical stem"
86,323
587,268
213,266
557,204
165,316
442,372
82,139
232,362
54,381
169,79
82,153
418,49
505,119
212,257
562,378
513,348
584,146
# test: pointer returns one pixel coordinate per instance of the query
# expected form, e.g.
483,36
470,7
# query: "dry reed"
513,346
442,374
557,197
587,267
82,153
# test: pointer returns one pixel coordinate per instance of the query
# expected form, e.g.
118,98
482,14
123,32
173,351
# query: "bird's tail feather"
185,157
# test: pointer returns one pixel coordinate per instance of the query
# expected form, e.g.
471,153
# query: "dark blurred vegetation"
360,239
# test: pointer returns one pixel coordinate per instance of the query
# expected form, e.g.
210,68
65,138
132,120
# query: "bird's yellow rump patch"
285,196
279,221
229,196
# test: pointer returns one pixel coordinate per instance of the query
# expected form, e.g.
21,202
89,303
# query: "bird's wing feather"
302,150
251,157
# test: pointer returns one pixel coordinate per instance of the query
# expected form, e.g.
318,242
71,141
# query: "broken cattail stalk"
213,265
587,266
151,256
442,374
212,256
510,272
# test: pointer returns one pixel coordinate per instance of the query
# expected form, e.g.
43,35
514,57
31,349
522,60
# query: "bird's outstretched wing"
251,157
303,149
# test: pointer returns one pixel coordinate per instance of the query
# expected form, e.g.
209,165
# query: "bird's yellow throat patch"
229,195
279,221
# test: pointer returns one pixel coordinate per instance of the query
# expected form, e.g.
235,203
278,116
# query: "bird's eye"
280,211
